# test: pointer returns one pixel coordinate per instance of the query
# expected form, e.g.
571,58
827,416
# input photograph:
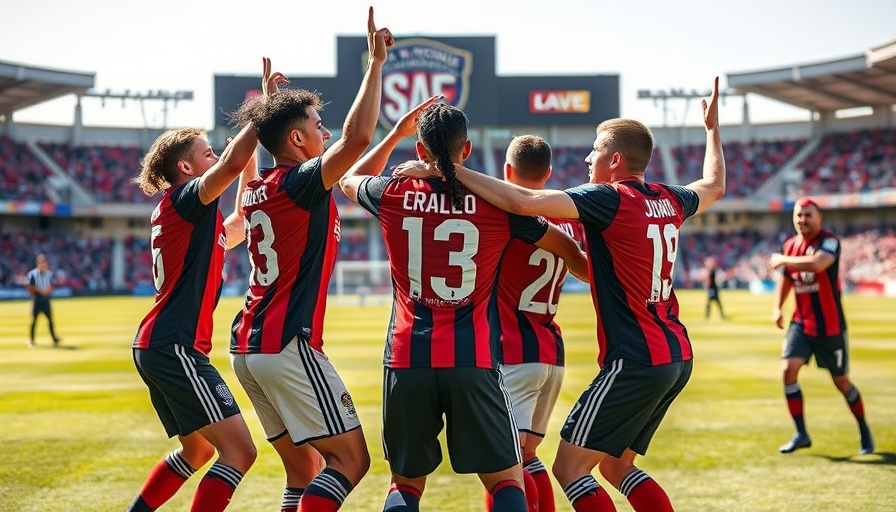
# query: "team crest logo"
419,68
224,393
347,403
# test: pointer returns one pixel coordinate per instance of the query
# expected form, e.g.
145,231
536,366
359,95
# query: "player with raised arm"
293,237
811,263
445,245
631,228
189,239
532,352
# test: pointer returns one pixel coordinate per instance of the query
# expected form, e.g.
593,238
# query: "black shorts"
186,391
41,305
482,435
831,352
624,405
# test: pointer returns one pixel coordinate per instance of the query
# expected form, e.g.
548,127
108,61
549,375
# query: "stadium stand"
106,171
857,161
22,176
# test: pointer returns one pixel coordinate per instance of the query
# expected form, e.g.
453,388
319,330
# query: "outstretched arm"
373,163
516,199
711,187
782,290
357,132
233,159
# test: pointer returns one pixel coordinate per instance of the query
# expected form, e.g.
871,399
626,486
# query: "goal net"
361,282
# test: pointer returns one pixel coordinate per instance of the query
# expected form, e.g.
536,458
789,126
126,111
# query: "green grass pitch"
77,431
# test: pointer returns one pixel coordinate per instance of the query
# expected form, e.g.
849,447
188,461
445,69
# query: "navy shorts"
624,405
482,435
41,305
831,352
186,391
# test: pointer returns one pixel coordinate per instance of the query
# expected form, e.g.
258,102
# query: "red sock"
543,482
315,503
531,490
166,477
644,493
586,495
216,489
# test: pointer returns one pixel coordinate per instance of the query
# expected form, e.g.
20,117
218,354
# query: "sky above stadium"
652,44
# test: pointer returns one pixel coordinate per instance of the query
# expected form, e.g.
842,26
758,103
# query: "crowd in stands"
748,165
105,171
860,161
82,264
22,176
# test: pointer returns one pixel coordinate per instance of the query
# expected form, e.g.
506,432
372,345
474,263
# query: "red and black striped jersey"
818,308
631,233
444,262
292,238
529,285
188,246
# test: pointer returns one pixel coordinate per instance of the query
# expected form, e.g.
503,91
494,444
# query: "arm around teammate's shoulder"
711,187
556,241
516,199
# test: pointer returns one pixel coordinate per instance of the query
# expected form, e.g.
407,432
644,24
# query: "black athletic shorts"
831,352
482,435
186,391
624,405
41,305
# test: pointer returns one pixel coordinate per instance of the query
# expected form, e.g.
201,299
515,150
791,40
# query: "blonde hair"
530,156
159,169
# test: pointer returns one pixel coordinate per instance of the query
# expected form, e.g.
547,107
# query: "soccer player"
712,286
529,285
293,236
445,245
40,284
811,262
631,229
188,242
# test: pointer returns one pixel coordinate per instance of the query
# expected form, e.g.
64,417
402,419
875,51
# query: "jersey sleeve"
831,245
305,185
31,277
187,203
370,193
689,199
527,229
597,204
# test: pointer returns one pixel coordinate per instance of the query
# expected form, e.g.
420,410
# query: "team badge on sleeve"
830,245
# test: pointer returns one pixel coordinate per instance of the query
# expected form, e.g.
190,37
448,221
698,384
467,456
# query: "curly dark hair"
275,116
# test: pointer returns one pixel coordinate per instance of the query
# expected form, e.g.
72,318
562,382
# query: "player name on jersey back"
659,208
434,202
252,197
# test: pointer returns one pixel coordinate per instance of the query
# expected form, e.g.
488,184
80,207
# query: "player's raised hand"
377,40
407,125
270,82
711,111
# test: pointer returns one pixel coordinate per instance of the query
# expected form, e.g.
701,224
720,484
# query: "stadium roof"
863,80
24,86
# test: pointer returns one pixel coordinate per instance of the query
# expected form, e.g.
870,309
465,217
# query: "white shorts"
533,389
297,392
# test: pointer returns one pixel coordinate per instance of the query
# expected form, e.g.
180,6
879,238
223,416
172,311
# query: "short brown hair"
160,162
530,156
630,138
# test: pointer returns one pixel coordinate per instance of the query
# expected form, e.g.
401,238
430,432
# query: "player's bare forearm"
371,164
233,159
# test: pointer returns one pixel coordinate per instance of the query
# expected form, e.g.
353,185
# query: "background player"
712,286
40,284
811,261
189,239
444,247
294,232
532,354
631,229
